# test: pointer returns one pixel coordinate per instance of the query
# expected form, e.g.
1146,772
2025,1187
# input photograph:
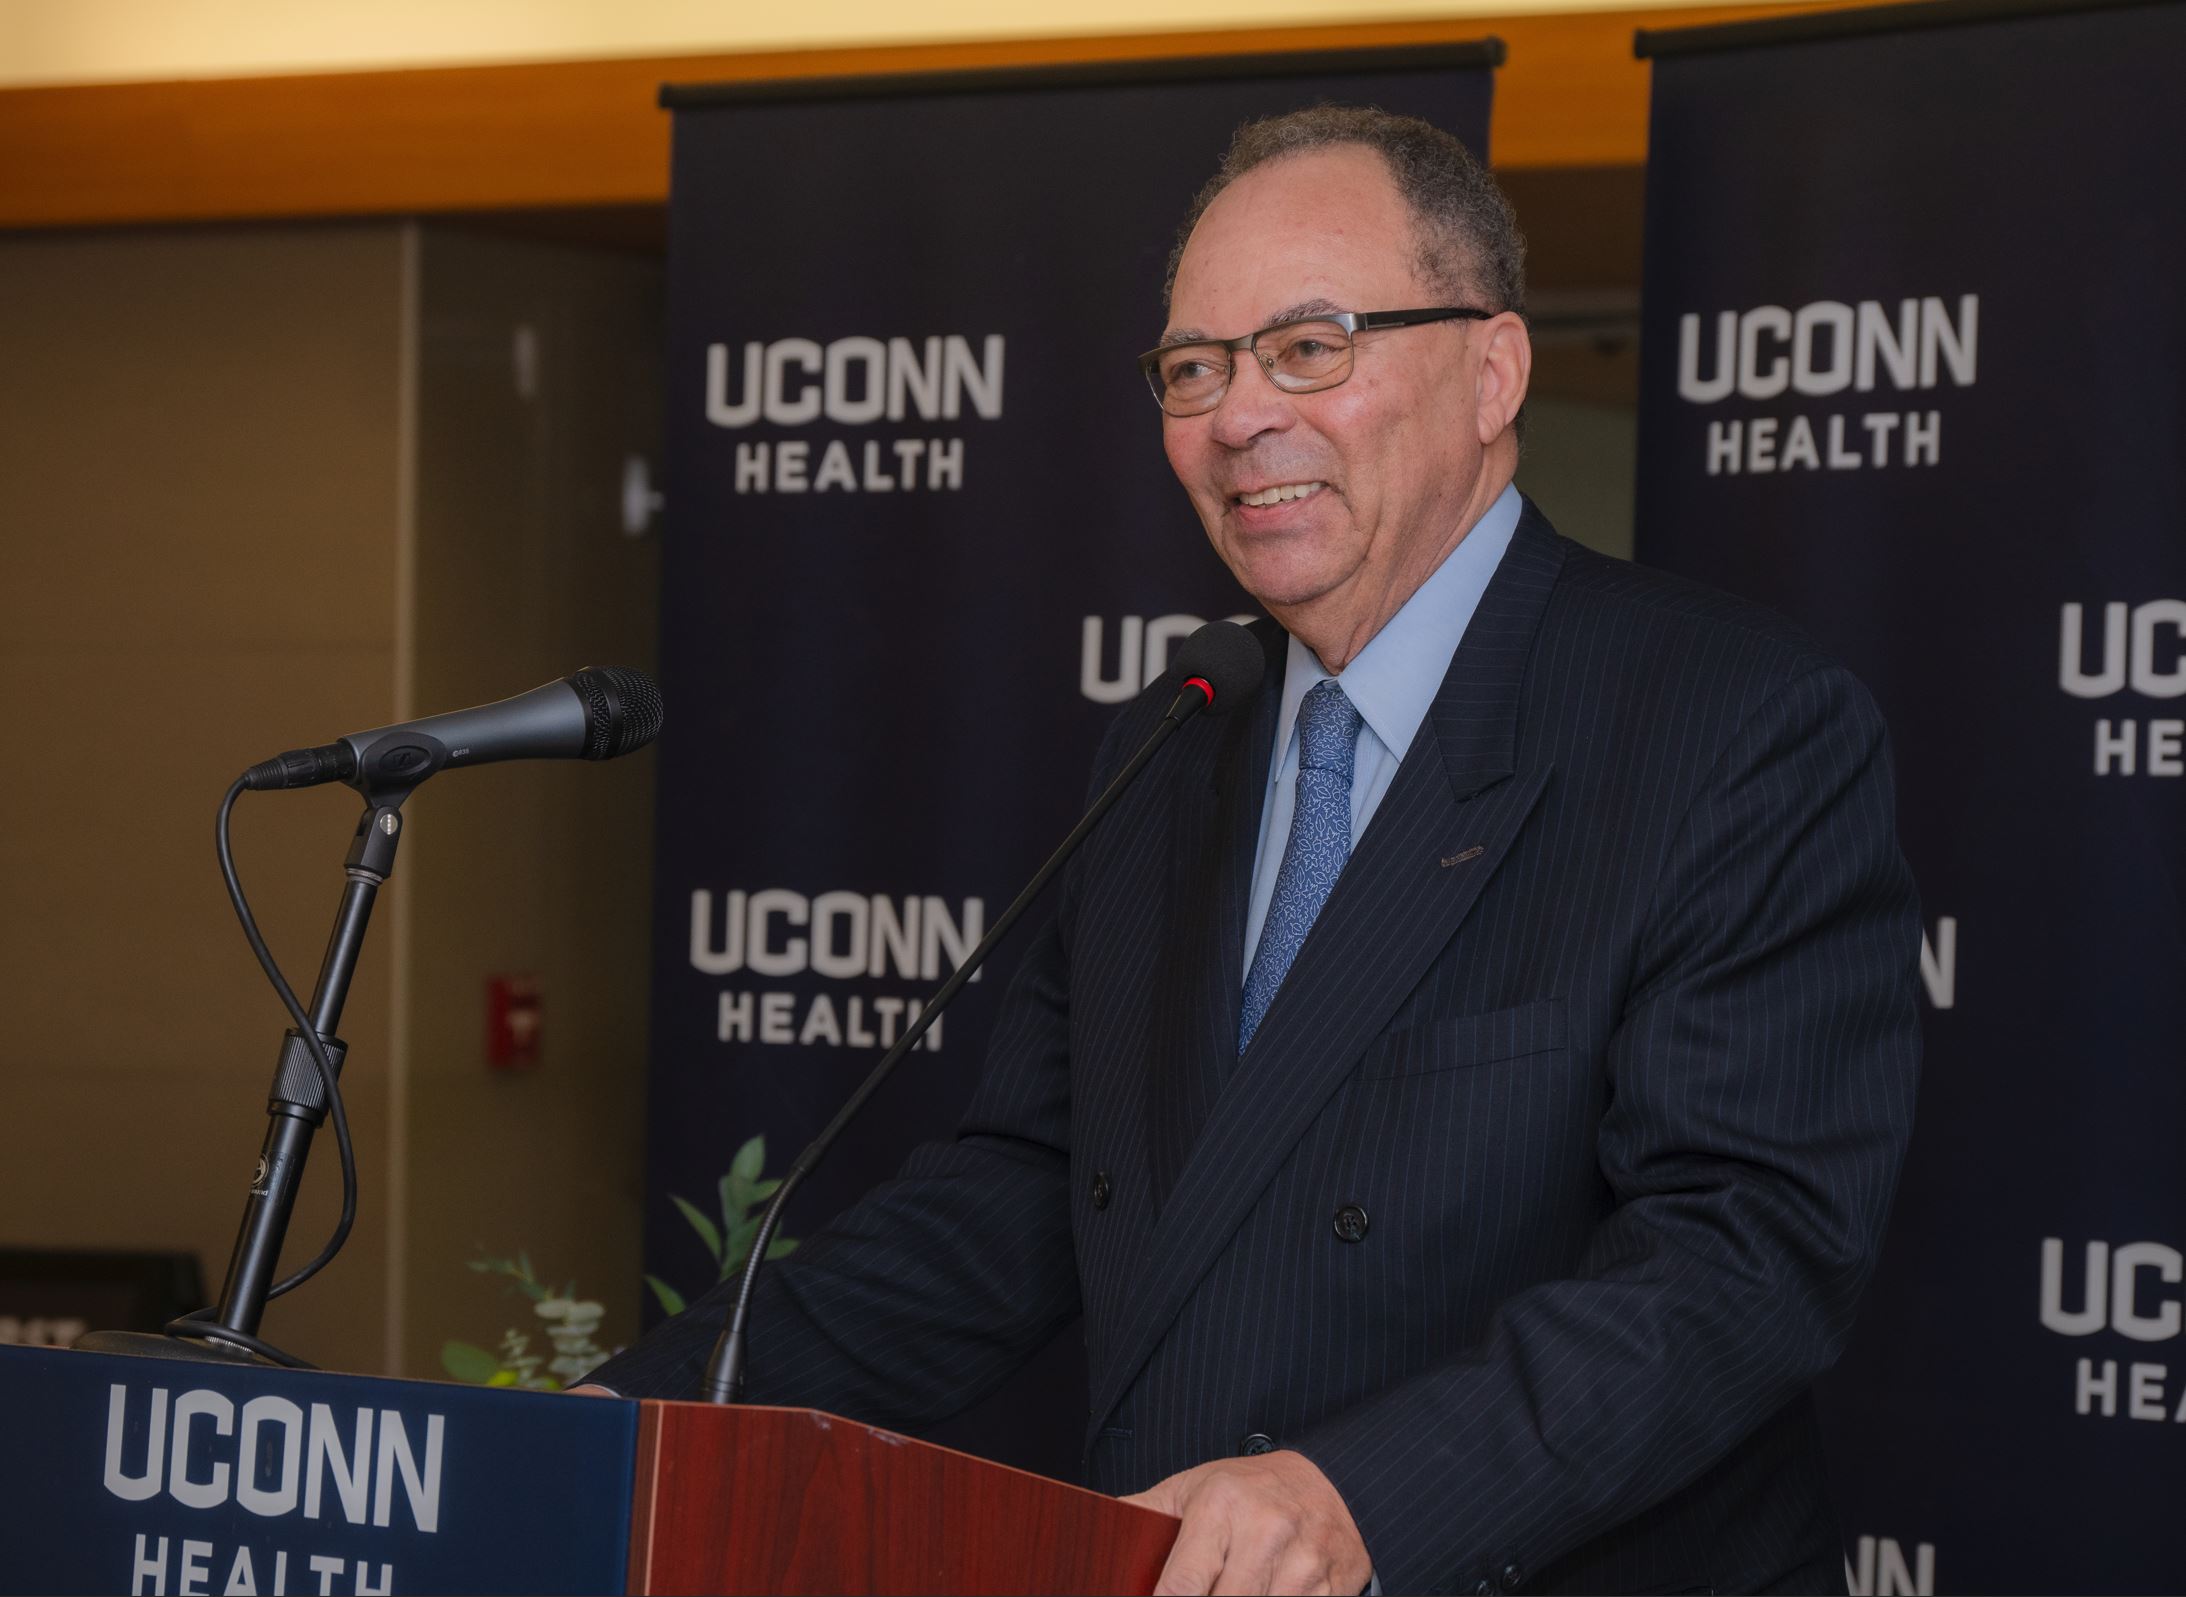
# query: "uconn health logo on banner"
1117,656
859,943
1857,357
832,395
303,1472
2128,1294
1883,1566
2137,651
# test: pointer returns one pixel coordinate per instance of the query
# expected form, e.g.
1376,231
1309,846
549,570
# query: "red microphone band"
1203,685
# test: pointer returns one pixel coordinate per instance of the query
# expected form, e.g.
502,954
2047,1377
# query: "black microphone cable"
194,1325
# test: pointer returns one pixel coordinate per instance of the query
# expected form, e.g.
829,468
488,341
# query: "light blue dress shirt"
1391,683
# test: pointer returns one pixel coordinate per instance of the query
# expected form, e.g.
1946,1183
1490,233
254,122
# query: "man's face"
1391,457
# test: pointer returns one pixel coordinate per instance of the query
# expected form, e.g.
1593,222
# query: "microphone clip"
390,767
372,850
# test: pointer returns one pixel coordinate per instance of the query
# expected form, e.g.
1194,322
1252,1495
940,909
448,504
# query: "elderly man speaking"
1463,1094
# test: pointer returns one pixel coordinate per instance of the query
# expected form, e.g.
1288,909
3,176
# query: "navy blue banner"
1914,372
921,541
166,1477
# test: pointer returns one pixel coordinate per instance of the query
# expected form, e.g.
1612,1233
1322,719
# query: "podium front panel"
794,1502
155,1476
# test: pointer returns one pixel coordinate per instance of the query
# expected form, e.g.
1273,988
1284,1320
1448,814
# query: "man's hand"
1271,1523
588,1391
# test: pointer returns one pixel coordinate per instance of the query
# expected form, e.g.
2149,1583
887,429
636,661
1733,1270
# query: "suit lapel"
1459,797
1192,1035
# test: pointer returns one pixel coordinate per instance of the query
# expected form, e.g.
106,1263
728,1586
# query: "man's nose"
1250,406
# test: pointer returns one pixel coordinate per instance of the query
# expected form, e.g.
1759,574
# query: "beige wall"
524,575
198,499
60,41
1579,465
259,487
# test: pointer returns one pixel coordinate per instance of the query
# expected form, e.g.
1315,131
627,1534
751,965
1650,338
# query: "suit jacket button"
1100,1189
1257,1442
1512,1577
1485,1589
1350,1223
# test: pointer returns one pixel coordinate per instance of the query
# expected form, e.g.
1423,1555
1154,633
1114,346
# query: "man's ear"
1506,369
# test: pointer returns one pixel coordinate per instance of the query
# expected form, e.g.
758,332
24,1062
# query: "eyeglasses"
1301,357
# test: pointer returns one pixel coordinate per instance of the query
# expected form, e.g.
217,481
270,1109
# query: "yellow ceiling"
94,41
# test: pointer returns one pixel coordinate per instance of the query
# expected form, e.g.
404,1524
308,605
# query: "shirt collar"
1393,680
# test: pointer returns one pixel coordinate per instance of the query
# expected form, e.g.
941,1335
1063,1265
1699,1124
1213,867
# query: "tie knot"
1328,731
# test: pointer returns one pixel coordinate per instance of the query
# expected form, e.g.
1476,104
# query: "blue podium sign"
174,1479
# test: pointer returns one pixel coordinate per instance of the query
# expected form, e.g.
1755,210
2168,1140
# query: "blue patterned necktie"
1314,856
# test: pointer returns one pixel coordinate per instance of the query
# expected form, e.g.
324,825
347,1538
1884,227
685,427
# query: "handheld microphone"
1222,665
597,714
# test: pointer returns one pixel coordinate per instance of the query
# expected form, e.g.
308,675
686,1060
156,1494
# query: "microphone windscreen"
1227,658
622,710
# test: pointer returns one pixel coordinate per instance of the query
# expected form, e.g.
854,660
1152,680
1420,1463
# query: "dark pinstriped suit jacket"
1608,1027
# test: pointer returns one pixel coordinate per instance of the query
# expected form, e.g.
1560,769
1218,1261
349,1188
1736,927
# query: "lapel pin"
1474,852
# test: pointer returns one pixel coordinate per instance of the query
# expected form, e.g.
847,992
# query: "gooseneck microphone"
1221,665
597,714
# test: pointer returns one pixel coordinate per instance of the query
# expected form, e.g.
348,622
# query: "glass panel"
1306,353
1192,373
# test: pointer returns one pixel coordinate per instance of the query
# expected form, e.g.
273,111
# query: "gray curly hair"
1468,239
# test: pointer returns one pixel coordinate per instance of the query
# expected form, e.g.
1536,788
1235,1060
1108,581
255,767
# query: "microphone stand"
295,1108
597,713
725,1369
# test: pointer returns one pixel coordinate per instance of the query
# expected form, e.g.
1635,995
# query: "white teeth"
1278,494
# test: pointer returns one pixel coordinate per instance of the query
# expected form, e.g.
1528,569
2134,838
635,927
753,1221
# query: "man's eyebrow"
1304,310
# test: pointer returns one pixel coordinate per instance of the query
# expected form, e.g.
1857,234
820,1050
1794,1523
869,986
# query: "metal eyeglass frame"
1352,322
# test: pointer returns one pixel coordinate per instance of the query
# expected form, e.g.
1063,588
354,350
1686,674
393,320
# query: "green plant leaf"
670,1298
750,1160
468,1363
738,1247
744,1172
503,1378
763,1190
780,1246
707,1231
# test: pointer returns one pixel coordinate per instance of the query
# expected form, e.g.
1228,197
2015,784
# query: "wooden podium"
793,1501
145,1475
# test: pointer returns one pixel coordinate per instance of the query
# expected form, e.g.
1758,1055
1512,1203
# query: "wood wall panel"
581,134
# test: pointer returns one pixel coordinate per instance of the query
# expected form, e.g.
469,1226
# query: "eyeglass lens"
1298,356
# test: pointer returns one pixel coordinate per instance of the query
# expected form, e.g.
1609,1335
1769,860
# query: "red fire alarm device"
512,1022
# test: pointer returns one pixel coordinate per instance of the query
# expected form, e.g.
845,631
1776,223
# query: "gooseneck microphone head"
1222,665
599,713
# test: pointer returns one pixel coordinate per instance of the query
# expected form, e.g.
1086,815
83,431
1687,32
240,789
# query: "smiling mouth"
1281,493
